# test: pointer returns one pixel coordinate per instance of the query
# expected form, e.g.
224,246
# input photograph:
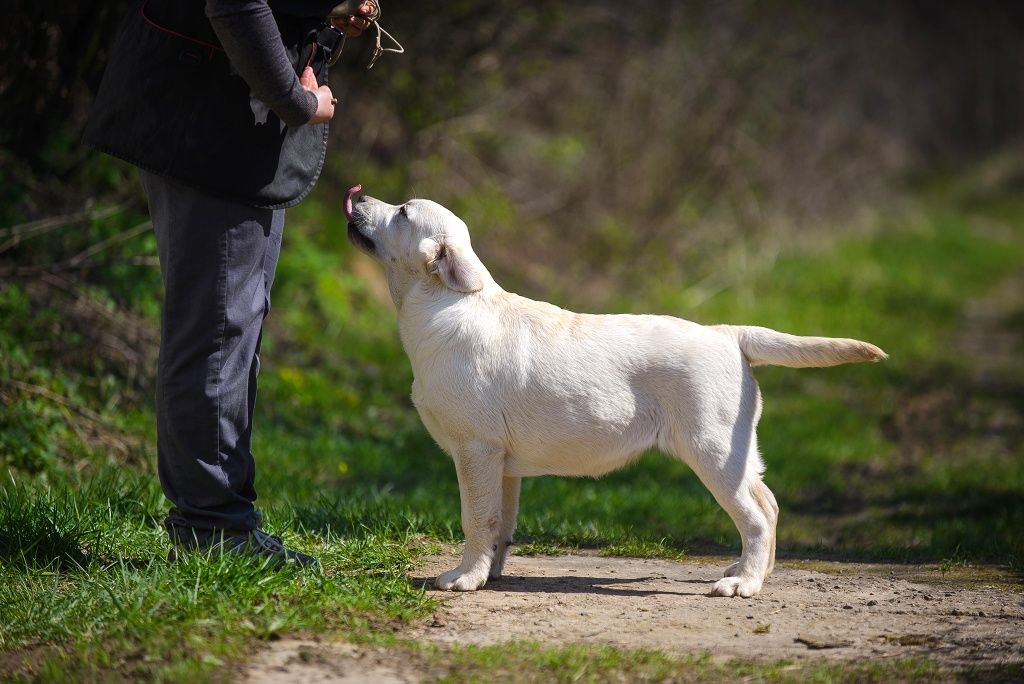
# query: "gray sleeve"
249,34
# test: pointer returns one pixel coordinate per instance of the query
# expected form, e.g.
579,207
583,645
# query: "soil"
834,611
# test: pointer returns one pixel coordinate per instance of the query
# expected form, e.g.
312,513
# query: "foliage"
696,138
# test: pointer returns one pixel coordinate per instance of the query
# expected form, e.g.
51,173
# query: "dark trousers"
217,259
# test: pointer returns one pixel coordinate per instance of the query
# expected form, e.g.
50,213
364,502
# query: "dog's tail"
767,347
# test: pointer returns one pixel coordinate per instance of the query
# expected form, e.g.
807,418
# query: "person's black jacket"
170,103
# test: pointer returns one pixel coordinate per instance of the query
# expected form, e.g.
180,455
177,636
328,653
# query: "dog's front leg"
479,467
509,511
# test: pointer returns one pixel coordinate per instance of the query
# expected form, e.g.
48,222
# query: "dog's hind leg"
766,500
479,467
509,511
724,456
756,526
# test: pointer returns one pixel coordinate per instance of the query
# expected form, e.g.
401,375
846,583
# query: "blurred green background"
821,168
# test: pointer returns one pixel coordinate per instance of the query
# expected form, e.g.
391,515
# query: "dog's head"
420,239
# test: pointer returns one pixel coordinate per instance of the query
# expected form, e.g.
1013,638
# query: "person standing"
224,108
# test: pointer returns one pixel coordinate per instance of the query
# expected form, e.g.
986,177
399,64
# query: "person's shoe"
241,542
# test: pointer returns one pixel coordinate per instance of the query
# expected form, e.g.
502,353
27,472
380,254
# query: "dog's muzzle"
355,235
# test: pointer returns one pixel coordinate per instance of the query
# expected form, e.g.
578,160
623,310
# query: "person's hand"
325,100
354,24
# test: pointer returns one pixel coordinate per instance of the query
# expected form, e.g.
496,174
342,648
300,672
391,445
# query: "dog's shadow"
571,584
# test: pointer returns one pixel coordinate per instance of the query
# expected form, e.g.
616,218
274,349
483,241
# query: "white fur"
512,387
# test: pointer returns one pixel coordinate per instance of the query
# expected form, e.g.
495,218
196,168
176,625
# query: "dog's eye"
402,210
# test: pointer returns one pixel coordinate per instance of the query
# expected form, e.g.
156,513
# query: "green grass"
83,574
347,472
528,661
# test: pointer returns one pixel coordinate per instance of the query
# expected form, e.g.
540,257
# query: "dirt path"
838,611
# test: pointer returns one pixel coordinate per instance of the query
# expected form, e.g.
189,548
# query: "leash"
348,8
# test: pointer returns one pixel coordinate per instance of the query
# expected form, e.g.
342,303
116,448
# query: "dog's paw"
733,570
457,580
744,587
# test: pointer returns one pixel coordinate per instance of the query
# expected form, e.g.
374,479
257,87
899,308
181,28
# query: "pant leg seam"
221,334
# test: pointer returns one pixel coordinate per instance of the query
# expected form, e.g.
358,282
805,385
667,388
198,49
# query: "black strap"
324,43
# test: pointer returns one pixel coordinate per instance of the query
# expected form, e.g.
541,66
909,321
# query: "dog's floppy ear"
449,263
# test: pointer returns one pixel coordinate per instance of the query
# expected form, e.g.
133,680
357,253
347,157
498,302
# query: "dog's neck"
401,283
426,308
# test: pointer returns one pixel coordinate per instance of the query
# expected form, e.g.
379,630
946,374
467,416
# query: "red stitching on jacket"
210,46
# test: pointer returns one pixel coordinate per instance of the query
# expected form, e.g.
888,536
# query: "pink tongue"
348,200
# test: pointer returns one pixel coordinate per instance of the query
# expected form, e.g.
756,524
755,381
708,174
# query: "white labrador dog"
511,387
